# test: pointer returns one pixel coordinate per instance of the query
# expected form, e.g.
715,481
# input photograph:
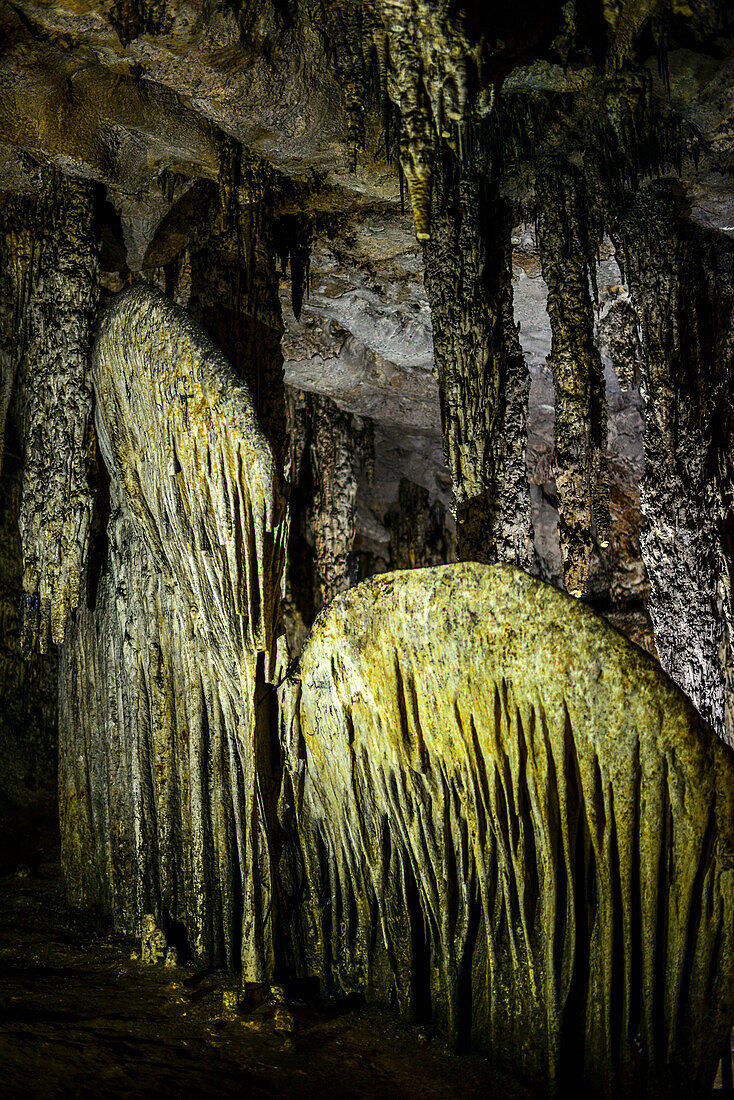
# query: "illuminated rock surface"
166,769
52,267
511,819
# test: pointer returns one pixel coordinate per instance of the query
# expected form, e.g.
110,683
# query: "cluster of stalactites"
422,55
580,428
52,269
441,75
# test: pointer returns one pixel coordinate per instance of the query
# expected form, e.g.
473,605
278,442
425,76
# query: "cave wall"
29,828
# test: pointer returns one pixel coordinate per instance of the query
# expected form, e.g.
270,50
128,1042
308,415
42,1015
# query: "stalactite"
682,282
291,242
59,289
168,769
580,430
512,822
440,66
482,376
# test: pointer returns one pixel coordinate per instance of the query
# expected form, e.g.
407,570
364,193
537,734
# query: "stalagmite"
682,282
55,279
482,376
168,770
512,821
580,413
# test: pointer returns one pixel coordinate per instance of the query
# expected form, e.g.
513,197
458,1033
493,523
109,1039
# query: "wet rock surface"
80,1017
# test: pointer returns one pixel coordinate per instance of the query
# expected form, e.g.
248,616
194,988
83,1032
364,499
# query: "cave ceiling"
343,102
146,97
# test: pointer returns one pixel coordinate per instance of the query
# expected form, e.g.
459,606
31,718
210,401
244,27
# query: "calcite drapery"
52,253
511,819
168,772
482,376
580,423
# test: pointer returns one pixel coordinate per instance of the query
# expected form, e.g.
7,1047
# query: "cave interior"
367,548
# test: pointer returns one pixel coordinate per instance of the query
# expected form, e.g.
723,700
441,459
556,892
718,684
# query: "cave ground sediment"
80,1017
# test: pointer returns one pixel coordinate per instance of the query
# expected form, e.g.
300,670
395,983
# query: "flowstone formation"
168,770
51,275
512,821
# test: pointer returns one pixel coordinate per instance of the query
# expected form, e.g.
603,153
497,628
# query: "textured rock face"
51,251
510,819
168,776
482,377
28,718
580,426
330,449
682,281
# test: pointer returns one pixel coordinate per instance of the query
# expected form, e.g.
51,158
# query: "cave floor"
81,1017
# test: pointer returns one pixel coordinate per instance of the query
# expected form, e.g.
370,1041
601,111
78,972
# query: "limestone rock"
682,284
28,706
167,795
580,430
153,947
52,254
482,376
511,820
